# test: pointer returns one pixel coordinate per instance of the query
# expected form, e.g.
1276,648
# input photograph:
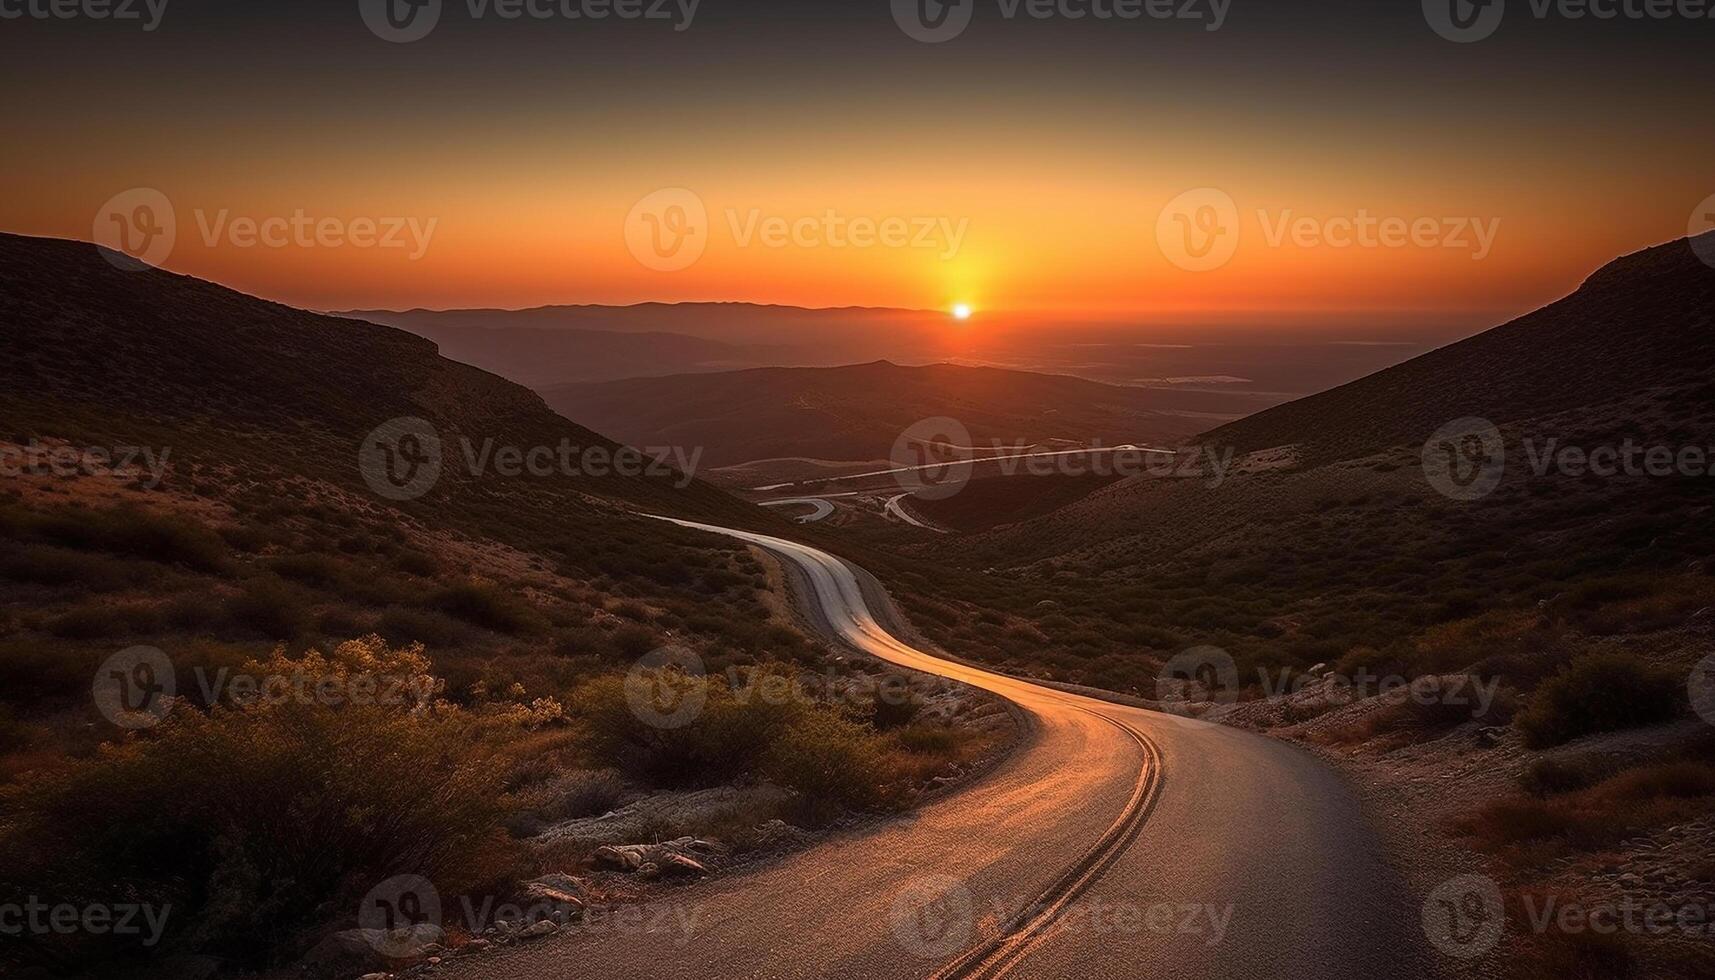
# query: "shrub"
417,563
270,607
257,820
317,571
401,624
48,565
490,607
632,642
34,671
1550,777
833,764
97,622
726,738
1663,781
590,793
926,740
132,531
1599,815
890,710
1599,692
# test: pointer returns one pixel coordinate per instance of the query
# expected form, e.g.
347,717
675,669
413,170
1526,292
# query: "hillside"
1641,323
342,677
234,384
1341,545
857,412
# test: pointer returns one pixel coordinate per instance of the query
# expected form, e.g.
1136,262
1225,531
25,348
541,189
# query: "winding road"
1114,842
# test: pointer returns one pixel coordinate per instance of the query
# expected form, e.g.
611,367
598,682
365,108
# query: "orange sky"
1055,173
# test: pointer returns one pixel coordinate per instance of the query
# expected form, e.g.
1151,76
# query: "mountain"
538,356
262,514
560,344
857,412
95,351
1641,323
1334,535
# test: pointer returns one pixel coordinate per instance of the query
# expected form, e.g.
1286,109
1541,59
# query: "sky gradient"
1053,145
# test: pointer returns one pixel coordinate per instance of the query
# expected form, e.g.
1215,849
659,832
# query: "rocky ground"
1420,790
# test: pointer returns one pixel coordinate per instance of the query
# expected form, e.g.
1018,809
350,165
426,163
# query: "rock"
622,857
651,860
1489,737
674,864
539,930
561,892
359,951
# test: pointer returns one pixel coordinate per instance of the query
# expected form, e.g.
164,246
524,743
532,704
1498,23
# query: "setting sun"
962,311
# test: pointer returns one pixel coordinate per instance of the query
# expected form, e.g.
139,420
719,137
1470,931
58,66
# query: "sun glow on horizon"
961,311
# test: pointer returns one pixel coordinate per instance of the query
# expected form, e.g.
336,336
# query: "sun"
961,311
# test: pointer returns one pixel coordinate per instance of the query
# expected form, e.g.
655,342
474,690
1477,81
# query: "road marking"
1031,927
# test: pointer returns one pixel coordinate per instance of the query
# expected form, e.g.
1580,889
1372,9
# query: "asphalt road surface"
1115,842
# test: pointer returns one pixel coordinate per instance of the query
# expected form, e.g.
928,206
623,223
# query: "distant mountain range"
560,344
564,344
857,412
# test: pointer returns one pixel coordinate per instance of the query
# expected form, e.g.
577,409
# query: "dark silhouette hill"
248,387
1641,322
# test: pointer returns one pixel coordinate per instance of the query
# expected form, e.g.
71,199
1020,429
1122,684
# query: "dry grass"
1593,816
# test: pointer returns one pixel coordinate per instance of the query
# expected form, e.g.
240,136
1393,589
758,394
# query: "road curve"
820,507
896,506
1114,842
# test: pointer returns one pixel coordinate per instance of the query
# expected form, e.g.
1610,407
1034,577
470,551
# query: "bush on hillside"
1599,692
